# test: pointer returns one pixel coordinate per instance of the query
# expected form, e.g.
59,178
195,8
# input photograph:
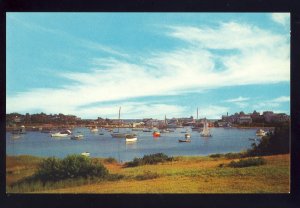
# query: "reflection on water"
41,144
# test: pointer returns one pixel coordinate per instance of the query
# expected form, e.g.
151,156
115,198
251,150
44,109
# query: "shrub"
73,166
247,162
149,159
276,143
147,175
234,155
215,155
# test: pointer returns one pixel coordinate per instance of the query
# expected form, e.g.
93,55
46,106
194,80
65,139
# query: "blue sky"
151,64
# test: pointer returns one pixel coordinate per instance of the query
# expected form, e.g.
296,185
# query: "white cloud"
239,99
262,57
212,111
281,18
281,99
271,104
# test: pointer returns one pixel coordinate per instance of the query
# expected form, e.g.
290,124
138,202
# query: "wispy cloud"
281,18
281,99
262,57
239,99
271,104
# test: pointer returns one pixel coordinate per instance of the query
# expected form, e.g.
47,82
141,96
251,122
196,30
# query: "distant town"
43,121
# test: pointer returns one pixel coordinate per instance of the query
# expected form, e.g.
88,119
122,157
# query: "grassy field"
184,175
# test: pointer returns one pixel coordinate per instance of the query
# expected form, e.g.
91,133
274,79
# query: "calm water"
41,144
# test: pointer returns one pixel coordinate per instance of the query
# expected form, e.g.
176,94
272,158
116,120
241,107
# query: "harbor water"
223,140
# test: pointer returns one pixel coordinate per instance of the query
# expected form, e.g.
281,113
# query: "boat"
137,129
21,130
260,132
147,130
164,131
118,134
187,136
205,132
94,129
131,138
101,133
77,137
62,134
156,134
184,140
87,154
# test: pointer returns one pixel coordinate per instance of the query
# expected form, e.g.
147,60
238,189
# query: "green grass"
196,174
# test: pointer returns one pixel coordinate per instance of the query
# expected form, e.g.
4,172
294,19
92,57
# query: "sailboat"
118,134
205,132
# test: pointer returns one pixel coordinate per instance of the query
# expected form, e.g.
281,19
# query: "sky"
150,64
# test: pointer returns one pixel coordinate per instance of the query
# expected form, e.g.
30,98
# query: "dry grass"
195,175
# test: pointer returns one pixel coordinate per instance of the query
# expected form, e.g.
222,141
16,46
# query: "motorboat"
184,140
156,134
131,138
87,154
187,136
164,131
95,129
21,130
62,134
147,130
77,137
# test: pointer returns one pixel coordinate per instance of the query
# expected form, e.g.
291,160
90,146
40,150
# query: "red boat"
156,134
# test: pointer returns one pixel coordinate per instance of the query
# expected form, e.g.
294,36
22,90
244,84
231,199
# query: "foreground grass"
183,175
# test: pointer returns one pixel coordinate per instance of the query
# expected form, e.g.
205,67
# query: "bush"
247,162
276,143
216,155
234,155
73,166
149,159
147,175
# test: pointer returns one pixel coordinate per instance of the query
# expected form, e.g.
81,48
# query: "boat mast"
119,118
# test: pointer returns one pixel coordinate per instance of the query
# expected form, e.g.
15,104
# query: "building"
244,119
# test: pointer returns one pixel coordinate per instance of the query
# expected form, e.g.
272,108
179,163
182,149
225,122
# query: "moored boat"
184,140
187,136
205,132
62,134
87,154
156,134
77,137
131,138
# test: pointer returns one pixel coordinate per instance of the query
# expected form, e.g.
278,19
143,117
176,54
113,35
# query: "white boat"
187,136
62,134
260,132
131,138
164,131
87,154
21,130
77,137
205,132
94,129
